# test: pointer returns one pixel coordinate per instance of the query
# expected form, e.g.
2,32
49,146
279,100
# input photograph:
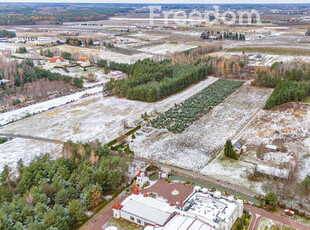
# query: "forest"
30,83
152,81
54,194
290,80
32,14
7,34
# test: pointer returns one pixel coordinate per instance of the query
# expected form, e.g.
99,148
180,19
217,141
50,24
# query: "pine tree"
229,150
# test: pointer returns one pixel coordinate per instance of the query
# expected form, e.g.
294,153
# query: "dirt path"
32,138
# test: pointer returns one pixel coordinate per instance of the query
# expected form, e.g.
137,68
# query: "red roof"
82,59
139,174
117,206
136,191
54,59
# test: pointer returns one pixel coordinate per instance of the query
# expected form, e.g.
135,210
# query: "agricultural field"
195,147
265,59
287,127
167,48
18,114
105,54
90,118
15,149
178,118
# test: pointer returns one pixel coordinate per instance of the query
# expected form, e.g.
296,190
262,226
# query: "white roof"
180,222
147,208
281,173
274,147
210,208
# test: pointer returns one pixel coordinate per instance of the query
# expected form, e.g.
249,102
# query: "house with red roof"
83,62
56,62
141,179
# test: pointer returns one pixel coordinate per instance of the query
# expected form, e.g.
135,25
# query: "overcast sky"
168,1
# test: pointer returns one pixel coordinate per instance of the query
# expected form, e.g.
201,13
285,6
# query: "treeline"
27,73
27,82
290,80
54,194
7,34
235,67
151,81
21,50
73,42
113,65
25,14
287,91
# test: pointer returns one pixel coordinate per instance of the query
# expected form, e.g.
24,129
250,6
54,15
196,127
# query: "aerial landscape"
154,115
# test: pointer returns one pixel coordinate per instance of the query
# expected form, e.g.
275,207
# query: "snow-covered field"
266,59
287,126
43,106
15,149
193,148
235,172
147,36
105,54
167,48
94,117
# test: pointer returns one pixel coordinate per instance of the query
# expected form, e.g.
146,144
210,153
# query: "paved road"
259,214
31,138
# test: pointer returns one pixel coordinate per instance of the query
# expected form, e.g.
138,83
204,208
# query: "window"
132,218
138,221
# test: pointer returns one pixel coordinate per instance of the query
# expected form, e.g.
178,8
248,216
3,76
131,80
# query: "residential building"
83,62
56,62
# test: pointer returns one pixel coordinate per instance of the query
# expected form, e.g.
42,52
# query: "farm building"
201,210
239,146
272,171
56,62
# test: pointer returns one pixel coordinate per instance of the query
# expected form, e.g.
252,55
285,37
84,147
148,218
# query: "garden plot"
95,117
167,48
287,127
193,148
15,149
